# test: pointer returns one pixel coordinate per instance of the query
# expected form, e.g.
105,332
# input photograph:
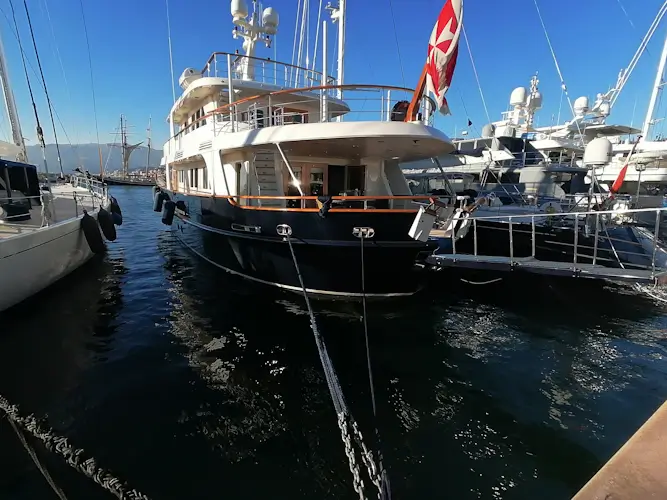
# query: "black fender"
91,231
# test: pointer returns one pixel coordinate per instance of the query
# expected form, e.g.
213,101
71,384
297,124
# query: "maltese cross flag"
443,48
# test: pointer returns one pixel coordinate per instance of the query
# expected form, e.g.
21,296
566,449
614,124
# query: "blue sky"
593,40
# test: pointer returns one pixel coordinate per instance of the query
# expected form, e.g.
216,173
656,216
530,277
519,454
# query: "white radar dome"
518,96
239,10
581,105
188,76
488,130
598,152
270,21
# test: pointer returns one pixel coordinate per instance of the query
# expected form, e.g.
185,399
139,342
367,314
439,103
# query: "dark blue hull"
246,242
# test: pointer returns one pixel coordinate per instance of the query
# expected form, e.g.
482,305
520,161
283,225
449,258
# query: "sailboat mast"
148,154
10,105
657,87
123,147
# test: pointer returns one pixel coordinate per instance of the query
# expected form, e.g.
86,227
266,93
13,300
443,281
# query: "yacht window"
205,178
344,179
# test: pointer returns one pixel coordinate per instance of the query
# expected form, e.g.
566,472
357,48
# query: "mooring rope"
74,457
346,422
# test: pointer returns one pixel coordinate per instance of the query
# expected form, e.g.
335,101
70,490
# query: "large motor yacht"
270,170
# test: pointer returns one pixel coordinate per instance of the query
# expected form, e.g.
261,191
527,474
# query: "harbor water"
189,383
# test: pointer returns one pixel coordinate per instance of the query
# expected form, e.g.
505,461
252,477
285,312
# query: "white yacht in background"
514,141
46,230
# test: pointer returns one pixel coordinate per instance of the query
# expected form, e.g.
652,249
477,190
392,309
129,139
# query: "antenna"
148,143
252,30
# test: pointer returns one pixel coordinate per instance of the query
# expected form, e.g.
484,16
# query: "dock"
637,470
533,265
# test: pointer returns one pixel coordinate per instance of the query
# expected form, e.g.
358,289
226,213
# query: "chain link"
345,420
73,456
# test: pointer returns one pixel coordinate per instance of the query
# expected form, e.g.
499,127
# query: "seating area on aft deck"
67,202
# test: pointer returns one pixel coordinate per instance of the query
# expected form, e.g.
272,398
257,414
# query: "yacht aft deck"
68,202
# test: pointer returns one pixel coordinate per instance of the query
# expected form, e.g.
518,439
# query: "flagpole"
416,97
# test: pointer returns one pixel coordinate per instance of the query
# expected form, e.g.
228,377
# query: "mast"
256,29
338,15
126,149
10,105
657,87
148,154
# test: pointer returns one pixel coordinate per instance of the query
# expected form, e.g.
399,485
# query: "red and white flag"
443,49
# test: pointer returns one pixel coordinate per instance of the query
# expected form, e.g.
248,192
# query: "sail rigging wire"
474,69
62,67
553,55
638,53
398,50
40,133
171,57
34,71
317,37
92,86
620,4
46,92
296,29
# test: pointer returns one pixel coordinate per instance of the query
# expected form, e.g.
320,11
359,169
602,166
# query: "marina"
319,293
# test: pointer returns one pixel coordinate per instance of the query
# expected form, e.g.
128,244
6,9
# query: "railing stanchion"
474,233
596,238
656,233
576,238
511,243
532,236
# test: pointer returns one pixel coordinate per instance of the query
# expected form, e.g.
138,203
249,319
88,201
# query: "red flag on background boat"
616,186
443,49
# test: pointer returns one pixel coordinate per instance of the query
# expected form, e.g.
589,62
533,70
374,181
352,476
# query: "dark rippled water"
189,383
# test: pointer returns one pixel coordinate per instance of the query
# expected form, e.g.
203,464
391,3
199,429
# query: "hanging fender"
168,211
91,231
106,224
159,198
116,213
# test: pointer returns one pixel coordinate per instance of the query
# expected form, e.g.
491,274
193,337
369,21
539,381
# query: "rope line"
474,70
74,457
171,57
92,83
398,50
384,489
46,92
348,426
56,489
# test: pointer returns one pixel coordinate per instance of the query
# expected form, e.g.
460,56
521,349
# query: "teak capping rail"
232,200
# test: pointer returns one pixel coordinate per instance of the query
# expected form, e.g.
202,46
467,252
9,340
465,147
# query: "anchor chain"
346,421
74,457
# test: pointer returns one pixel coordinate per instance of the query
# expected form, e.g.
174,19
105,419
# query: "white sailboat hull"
32,261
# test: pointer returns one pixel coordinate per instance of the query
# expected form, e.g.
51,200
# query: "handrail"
243,56
268,95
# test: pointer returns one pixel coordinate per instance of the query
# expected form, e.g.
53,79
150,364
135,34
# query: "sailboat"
264,167
46,230
126,178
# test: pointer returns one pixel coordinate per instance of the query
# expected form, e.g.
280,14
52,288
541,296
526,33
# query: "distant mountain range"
87,155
